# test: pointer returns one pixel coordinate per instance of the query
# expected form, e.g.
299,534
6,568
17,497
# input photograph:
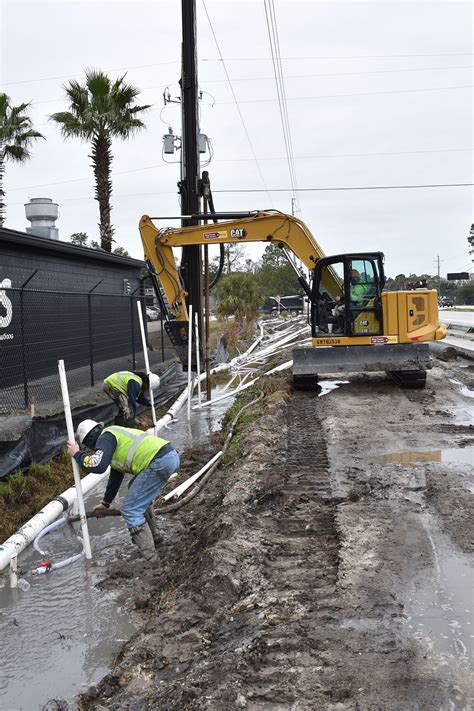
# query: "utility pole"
189,184
439,277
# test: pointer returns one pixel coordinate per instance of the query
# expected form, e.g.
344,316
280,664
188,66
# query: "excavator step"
405,363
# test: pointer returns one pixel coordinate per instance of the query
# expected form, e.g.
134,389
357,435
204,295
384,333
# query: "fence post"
89,315
134,360
22,331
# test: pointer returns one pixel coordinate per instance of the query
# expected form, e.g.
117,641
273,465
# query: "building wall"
77,305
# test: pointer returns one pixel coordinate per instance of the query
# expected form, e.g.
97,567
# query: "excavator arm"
271,227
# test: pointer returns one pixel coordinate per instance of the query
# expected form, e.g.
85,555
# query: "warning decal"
220,234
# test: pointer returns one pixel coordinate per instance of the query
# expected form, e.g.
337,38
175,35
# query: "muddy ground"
309,574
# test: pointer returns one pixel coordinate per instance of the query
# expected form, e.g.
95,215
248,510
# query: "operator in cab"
128,390
358,295
149,459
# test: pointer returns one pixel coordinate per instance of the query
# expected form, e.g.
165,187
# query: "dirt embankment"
285,584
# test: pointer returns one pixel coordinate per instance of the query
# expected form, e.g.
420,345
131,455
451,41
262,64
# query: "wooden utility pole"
191,264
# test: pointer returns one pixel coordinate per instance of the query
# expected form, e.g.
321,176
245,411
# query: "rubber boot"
142,538
151,521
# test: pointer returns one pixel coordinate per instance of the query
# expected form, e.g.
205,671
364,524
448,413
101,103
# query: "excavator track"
301,563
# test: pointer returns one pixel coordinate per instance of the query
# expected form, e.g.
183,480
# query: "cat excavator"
355,324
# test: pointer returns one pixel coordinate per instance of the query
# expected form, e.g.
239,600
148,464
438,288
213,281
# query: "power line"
247,160
243,59
336,74
235,100
343,56
280,190
363,187
294,76
337,96
272,29
81,74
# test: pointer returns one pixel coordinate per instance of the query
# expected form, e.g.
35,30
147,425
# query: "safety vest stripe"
121,430
131,451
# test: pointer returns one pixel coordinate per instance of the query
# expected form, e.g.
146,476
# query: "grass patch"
164,601
26,492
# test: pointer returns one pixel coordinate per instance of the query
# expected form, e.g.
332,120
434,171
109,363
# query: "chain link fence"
94,333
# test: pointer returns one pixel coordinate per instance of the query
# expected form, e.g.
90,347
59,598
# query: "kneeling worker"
127,390
151,461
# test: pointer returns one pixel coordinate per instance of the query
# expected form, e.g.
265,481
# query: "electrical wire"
360,187
235,160
272,30
337,96
281,190
236,102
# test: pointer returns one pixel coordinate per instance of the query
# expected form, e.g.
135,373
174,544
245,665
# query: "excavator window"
354,306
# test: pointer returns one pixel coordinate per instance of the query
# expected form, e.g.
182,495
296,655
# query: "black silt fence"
94,333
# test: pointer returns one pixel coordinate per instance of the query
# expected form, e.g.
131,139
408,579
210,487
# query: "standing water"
60,636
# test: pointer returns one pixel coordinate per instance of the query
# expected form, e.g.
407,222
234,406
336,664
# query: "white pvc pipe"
231,393
147,363
190,351
198,359
181,400
186,484
75,466
49,513
283,366
14,571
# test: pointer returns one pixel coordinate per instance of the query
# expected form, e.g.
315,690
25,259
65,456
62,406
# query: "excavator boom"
285,231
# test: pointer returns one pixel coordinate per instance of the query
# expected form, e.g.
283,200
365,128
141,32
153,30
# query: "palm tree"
16,137
99,111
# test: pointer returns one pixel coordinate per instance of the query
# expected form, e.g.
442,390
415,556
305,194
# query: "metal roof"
22,239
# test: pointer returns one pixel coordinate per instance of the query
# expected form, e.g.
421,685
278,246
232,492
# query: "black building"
57,301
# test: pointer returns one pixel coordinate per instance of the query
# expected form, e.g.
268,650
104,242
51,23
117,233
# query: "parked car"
446,303
152,313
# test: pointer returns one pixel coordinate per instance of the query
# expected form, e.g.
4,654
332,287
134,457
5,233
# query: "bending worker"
128,390
149,459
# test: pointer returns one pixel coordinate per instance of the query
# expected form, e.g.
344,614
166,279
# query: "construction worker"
357,289
149,459
128,390
357,293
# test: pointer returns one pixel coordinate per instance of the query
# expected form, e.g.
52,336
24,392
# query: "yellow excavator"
355,324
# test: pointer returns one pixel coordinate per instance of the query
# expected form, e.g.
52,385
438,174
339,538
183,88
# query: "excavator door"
356,307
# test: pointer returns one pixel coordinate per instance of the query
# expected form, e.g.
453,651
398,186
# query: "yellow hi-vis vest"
135,449
119,381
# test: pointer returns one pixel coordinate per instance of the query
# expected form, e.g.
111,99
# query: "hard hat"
154,381
85,427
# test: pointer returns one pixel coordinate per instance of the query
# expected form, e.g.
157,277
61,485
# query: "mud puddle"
452,455
438,606
62,634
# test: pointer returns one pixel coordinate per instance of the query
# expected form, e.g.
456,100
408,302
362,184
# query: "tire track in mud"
300,566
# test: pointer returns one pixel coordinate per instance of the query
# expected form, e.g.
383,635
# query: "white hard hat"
85,427
154,381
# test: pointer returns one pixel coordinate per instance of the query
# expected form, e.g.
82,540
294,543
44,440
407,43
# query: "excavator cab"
356,307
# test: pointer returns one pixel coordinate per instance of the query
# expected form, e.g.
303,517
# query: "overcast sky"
378,93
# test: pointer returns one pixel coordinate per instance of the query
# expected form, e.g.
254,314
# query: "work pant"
125,411
146,486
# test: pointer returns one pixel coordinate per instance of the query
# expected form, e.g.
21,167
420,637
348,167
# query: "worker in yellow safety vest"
149,459
128,390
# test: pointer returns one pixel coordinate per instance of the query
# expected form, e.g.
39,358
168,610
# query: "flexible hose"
47,567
